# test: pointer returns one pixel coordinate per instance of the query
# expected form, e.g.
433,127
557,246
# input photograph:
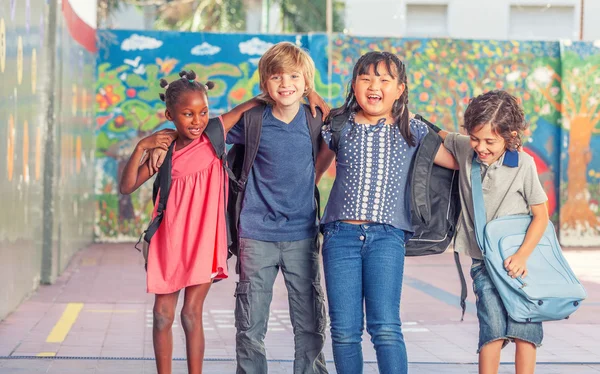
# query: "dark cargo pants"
259,264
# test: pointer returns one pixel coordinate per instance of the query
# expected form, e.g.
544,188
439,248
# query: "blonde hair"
285,57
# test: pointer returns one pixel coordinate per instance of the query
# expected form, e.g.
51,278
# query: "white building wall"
474,19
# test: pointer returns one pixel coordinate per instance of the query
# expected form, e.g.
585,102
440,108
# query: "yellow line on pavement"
46,354
64,324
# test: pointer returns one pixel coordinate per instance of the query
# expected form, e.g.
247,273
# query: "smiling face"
487,143
376,91
286,89
190,115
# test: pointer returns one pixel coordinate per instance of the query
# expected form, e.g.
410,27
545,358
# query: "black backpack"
162,183
435,203
241,158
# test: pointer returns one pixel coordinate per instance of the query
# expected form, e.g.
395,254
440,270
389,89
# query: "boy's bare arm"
324,159
516,265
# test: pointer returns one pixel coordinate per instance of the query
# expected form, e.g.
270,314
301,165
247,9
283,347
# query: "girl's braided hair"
187,82
397,70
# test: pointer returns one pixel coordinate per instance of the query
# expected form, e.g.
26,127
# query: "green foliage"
310,15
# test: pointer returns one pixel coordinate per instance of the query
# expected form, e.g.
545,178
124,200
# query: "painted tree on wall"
578,83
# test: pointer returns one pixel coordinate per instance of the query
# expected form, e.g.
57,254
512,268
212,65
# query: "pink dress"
190,245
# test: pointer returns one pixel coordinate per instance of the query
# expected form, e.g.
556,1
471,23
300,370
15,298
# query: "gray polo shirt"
510,186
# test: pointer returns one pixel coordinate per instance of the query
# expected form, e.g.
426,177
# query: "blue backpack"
550,291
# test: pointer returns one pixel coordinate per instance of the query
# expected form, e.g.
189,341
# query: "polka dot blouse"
372,173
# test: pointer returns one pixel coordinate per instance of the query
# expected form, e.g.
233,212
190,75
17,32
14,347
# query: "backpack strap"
216,135
336,125
315,125
162,187
463,286
252,131
421,176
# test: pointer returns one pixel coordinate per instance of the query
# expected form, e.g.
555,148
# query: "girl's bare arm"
134,173
233,116
445,159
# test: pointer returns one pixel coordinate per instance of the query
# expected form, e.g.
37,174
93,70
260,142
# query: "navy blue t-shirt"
279,203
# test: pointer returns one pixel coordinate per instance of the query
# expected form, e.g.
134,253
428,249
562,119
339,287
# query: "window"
426,20
542,22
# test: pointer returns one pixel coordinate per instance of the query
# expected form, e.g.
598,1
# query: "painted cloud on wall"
205,49
254,46
138,43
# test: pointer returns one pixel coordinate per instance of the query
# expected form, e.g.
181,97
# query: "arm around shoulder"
232,117
324,159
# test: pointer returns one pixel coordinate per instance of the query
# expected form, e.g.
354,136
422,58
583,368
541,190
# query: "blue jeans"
365,262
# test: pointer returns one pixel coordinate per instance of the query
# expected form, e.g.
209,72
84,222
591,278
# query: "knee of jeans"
382,333
345,335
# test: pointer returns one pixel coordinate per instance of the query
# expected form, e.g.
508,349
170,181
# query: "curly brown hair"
502,111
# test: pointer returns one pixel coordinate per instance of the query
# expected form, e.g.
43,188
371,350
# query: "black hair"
187,82
397,70
502,111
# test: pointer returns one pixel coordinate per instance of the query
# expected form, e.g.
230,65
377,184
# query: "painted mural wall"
30,183
443,75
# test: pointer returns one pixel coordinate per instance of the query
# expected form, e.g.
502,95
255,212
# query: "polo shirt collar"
510,158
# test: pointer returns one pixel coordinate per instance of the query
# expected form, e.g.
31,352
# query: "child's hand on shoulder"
516,265
160,139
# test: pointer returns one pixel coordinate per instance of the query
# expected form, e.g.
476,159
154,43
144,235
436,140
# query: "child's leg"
489,357
493,320
259,264
525,357
342,264
191,319
383,268
162,335
300,268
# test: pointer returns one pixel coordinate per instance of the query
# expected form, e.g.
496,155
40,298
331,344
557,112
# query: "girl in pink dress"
189,249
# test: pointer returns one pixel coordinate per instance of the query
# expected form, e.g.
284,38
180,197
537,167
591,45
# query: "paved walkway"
97,319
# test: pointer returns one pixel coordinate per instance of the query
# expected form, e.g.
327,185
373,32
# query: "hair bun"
210,85
162,96
163,83
191,75
183,73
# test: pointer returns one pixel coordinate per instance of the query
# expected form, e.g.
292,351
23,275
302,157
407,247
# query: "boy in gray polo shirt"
495,122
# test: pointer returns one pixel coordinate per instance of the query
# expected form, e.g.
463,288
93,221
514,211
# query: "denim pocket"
328,233
319,297
398,234
476,269
242,305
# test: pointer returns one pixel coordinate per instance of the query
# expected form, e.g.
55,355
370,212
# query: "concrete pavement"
97,318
